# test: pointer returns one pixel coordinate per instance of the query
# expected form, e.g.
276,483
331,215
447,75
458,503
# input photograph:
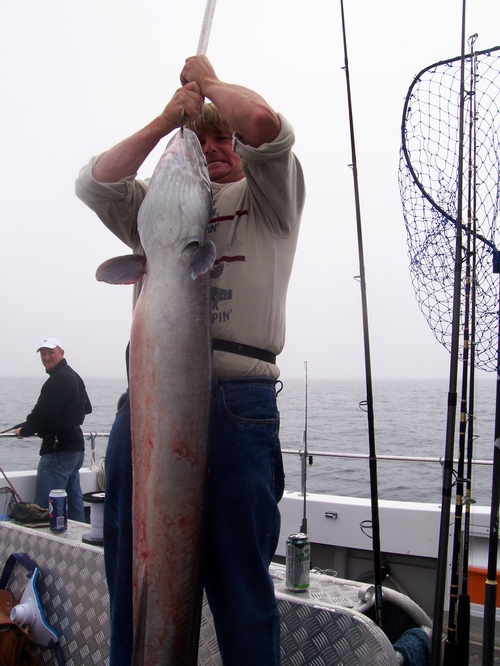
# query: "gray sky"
79,76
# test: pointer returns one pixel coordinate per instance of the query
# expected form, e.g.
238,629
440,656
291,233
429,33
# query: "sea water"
409,419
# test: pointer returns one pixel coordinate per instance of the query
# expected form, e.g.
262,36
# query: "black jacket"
59,411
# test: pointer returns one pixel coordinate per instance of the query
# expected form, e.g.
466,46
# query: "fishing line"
368,377
96,534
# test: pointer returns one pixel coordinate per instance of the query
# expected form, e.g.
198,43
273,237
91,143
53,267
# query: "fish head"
174,215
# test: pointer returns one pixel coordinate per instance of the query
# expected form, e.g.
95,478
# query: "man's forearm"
126,157
245,111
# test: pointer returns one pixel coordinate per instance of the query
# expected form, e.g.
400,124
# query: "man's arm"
50,404
245,111
126,157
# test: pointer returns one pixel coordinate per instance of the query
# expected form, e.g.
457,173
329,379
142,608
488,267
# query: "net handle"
206,27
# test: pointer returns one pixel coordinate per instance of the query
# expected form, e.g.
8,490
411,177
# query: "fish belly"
170,373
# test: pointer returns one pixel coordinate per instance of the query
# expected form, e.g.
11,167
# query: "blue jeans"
117,533
61,470
246,483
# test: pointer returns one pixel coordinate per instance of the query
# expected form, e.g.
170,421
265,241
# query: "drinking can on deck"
58,510
298,562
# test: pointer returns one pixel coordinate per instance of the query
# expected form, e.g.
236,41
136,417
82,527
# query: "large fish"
170,373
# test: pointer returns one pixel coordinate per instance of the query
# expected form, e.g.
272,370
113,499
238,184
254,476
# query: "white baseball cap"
50,343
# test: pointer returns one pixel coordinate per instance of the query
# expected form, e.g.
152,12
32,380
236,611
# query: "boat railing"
342,454
307,457
91,437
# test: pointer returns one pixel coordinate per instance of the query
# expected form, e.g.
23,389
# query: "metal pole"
206,27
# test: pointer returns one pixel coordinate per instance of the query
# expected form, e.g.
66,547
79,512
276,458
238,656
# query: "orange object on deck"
476,584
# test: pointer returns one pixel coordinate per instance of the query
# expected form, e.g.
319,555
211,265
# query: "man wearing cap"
56,418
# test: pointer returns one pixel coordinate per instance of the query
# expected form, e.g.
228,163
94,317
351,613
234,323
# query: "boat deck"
74,595
476,655
73,592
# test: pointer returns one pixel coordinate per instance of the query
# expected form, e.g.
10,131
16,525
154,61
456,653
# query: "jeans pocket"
256,405
278,472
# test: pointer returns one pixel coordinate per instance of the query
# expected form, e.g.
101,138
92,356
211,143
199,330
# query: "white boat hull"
341,545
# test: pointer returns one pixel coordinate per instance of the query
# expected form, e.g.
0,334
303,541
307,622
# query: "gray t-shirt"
254,225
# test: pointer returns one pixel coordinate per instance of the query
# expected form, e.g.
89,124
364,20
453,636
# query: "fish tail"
140,623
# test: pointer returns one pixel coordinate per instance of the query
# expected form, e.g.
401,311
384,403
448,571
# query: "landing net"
7,501
428,183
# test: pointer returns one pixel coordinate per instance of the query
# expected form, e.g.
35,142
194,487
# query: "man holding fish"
257,197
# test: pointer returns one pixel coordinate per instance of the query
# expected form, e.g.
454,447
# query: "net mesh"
428,181
7,501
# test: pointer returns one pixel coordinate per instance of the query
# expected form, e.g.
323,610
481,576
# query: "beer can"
298,562
58,510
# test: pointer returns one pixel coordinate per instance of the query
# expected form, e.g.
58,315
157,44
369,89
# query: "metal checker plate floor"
321,627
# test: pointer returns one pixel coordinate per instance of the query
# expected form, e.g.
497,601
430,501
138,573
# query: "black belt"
243,350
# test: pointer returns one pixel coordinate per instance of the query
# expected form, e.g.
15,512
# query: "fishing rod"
452,387
463,612
377,568
303,527
456,652
9,429
490,595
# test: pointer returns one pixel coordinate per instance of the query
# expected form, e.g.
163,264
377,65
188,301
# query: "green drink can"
298,562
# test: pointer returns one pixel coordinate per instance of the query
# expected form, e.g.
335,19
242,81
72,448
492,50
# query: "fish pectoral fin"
203,259
126,269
